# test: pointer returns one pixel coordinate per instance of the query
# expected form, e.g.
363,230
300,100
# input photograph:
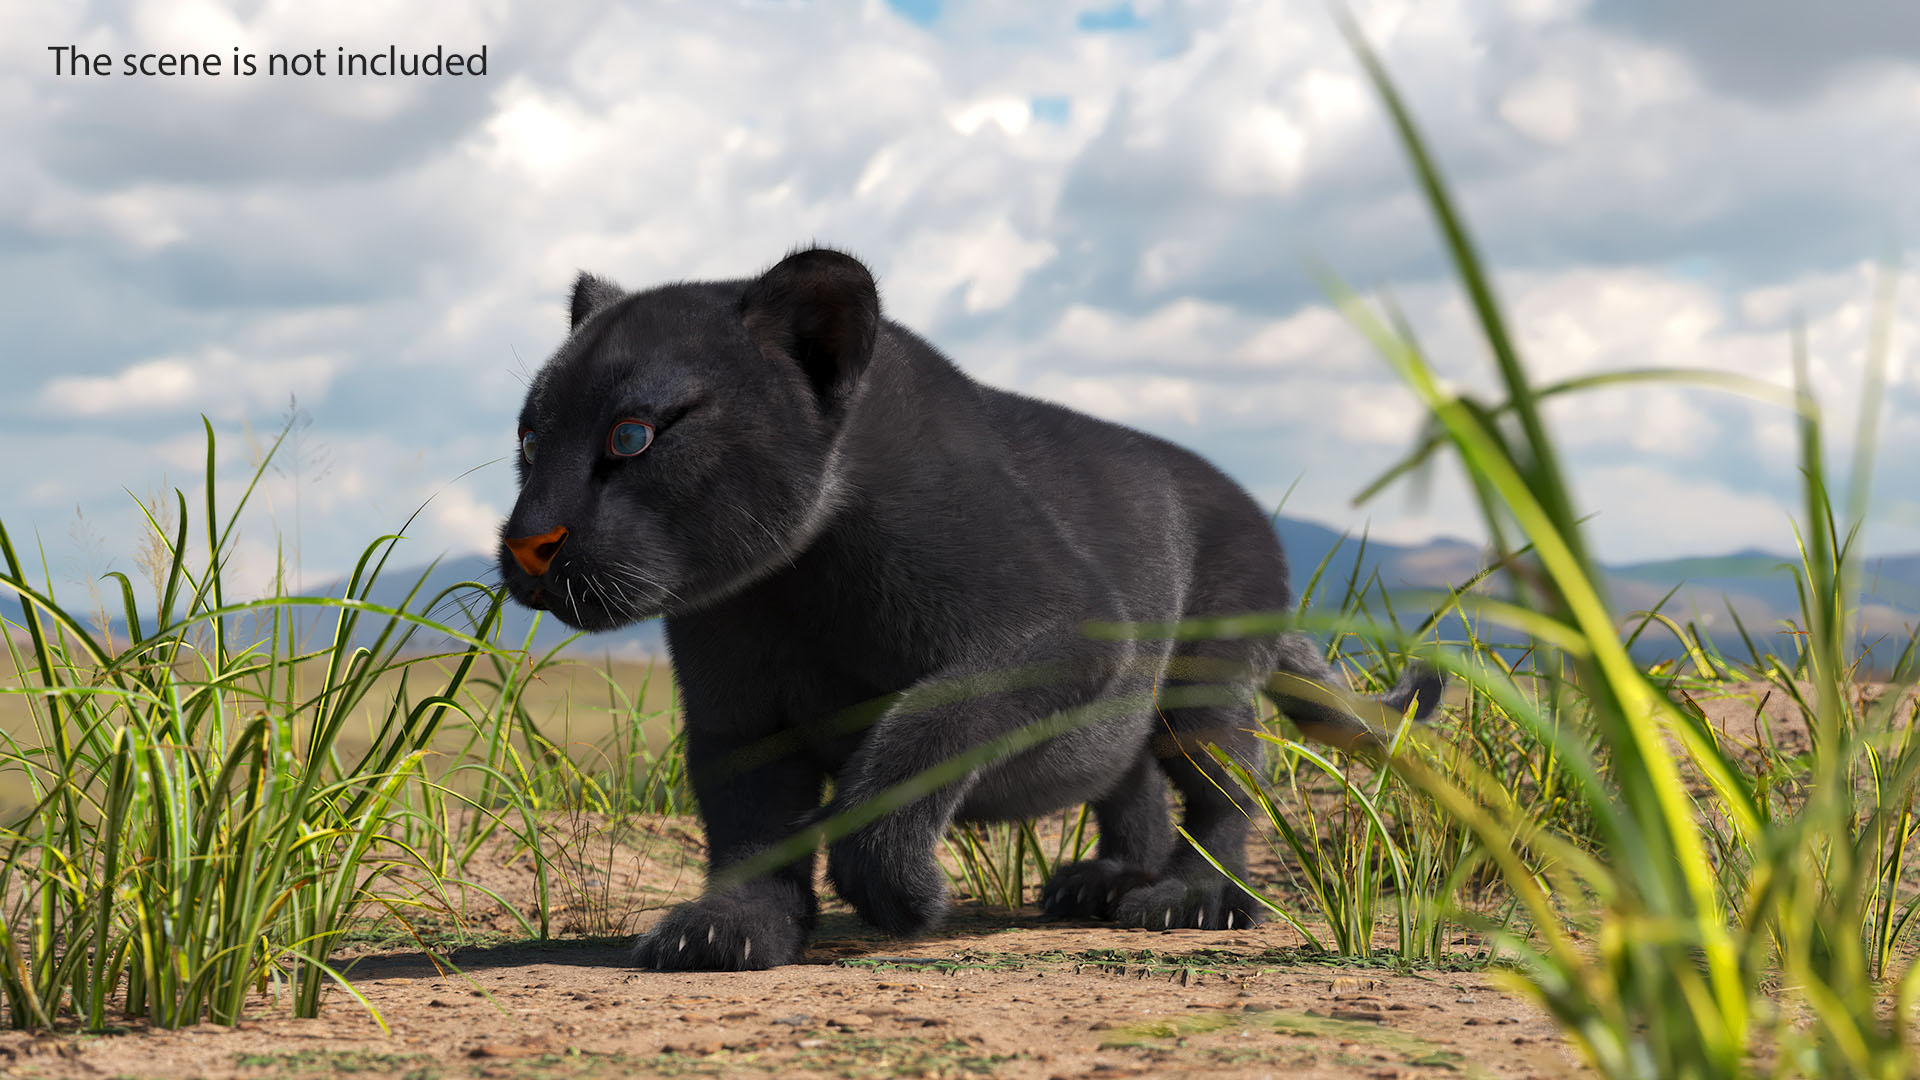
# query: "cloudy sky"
1115,207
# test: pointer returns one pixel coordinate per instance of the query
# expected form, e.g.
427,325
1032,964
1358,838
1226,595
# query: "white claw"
682,947
746,954
709,935
1166,920
1229,920
1200,920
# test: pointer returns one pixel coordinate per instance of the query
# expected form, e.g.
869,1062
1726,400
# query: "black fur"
838,523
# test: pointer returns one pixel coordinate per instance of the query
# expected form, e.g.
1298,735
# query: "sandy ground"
1002,994
995,994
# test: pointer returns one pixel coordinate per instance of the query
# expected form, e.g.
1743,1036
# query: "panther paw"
1179,904
722,933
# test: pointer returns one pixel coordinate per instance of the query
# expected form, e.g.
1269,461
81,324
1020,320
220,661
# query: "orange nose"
535,553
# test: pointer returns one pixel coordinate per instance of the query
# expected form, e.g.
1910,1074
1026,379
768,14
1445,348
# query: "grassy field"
585,706
200,818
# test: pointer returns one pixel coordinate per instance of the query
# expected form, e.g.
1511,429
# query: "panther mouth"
581,602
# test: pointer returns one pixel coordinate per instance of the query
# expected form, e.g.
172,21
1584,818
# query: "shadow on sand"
839,936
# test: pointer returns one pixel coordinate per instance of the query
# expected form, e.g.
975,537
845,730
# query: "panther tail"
1310,692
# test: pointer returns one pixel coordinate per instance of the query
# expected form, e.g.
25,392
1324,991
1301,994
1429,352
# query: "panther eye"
526,445
629,437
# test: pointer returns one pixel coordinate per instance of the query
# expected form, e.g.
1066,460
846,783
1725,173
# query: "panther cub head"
680,444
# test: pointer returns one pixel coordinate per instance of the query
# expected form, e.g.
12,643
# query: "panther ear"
590,294
818,308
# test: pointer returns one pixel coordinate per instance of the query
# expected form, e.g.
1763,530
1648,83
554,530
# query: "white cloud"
1649,513
1140,400
1377,415
216,381
214,247
534,132
1265,152
1548,109
987,262
1011,114
462,523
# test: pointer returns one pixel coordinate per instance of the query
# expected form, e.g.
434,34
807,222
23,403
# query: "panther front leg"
761,922
951,742
886,867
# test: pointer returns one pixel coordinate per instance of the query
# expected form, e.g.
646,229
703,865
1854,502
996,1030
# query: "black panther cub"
870,564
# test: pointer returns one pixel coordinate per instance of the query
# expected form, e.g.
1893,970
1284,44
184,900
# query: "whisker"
607,593
620,594
635,576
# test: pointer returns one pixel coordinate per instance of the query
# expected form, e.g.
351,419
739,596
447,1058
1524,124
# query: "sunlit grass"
207,807
1662,952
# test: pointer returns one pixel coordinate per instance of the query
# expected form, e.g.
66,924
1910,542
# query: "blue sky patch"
1051,109
924,12
1120,16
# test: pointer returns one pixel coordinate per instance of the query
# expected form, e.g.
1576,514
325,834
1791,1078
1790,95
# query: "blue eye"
629,437
526,445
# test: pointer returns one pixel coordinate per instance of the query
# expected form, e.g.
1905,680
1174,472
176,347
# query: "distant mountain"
1757,585
390,589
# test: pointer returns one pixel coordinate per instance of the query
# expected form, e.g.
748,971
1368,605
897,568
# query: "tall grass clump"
1363,850
1710,926
199,830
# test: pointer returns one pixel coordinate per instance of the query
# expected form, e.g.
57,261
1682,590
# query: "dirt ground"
994,994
